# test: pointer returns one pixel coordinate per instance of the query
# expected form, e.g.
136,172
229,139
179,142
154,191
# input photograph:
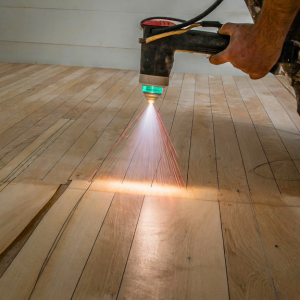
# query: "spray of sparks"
144,153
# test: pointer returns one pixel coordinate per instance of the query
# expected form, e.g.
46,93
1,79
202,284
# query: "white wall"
100,33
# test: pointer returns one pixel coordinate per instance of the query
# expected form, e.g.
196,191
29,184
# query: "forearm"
276,17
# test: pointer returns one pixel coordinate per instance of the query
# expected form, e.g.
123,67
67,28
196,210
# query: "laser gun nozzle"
152,92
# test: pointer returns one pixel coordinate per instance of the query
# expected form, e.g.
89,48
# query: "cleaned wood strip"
99,151
61,274
19,279
32,126
202,163
177,252
247,269
19,203
181,129
70,160
40,168
124,117
279,227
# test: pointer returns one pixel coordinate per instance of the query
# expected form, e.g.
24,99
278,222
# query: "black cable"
163,18
190,22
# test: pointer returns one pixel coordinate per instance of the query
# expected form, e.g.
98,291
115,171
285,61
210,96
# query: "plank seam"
191,137
224,252
36,151
137,223
56,241
87,125
215,145
280,139
56,109
92,247
253,211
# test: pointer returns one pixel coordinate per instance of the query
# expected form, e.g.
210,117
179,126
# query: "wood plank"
181,129
292,144
70,160
237,107
283,167
22,70
247,268
11,68
167,109
26,88
23,73
254,106
37,90
60,276
103,272
279,227
177,252
276,112
40,168
32,126
30,153
125,116
283,80
19,279
231,173
16,113
219,104
17,84
99,151
202,163
231,177
19,203
261,181
284,97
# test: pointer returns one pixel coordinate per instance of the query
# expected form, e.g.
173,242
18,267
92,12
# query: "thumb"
218,59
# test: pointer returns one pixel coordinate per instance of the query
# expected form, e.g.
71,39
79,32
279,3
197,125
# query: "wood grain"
248,275
103,272
177,252
19,203
59,277
20,278
280,232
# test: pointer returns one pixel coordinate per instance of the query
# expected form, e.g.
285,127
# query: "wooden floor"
232,233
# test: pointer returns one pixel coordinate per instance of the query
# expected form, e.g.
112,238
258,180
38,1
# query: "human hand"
252,49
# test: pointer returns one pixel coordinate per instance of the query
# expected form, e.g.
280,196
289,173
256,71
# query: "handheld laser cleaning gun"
162,38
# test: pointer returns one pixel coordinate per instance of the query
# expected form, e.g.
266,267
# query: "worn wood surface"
231,233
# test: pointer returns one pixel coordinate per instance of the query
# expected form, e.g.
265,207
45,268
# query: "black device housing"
157,57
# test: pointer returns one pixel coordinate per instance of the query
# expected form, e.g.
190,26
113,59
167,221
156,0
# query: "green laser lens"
152,89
